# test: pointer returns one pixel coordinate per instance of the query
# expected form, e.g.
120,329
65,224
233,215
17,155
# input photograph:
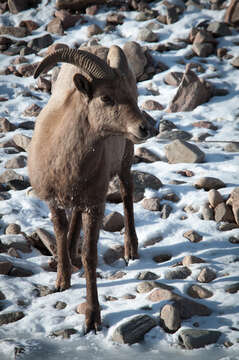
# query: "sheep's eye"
107,100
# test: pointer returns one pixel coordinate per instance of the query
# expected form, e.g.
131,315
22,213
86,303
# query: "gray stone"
214,197
152,204
10,317
223,213
55,26
18,32
181,273
113,222
170,318
147,35
22,141
218,28
145,155
147,275
113,254
192,236
166,211
43,290
183,152
135,57
207,183
59,305
232,147
207,212
174,135
194,338
203,49
199,292
233,201
166,125
5,267
173,78
20,272
64,334
94,30
233,289
6,125
191,259
40,43
133,330
10,175
206,275
17,162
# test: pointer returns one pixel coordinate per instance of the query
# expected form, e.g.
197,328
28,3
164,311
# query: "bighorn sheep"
83,137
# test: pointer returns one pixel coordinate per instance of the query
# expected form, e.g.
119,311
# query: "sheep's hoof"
92,322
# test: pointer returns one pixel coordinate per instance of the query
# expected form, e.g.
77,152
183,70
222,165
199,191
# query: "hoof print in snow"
133,330
194,339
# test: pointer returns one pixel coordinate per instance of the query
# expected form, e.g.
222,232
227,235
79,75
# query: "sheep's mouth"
139,136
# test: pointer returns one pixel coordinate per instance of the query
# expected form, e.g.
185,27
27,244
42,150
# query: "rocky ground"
185,58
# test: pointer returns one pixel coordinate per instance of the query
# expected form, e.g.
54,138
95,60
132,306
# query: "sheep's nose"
144,131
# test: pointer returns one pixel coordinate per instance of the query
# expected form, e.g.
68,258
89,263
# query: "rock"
166,125
162,258
147,275
170,318
21,141
10,175
232,13
2,296
183,152
64,334
191,259
40,43
232,147
115,19
199,292
11,317
32,110
166,211
59,305
141,181
113,254
193,236
235,62
223,212
6,125
173,78
189,308
152,204
20,272
174,135
147,35
55,27
171,197
194,338
151,105
18,32
43,85
81,308
207,183
233,201
133,330
29,25
94,30
146,286
218,29
26,70
17,162
227,226
135,57
145,155
214,198
203,49
206,275
113,222
232,289
117,275
42,290
152,241
13,229
67,19
16,6
181,273
207,212
205,125
191,93
13,252
5,267
234,240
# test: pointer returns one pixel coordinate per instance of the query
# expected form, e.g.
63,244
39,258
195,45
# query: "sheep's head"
108,87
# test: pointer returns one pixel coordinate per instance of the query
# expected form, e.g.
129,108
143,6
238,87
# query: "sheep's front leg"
73,237
126,187
60,223
91,225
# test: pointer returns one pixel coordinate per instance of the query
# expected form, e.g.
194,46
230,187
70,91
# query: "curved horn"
89,63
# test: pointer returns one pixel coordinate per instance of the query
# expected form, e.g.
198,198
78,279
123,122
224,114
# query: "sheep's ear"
83,85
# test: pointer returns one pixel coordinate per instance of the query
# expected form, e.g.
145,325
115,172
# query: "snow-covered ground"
41,317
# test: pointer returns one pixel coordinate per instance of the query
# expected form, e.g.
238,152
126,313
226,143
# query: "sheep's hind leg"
126,187
73,237
91,225
64,265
